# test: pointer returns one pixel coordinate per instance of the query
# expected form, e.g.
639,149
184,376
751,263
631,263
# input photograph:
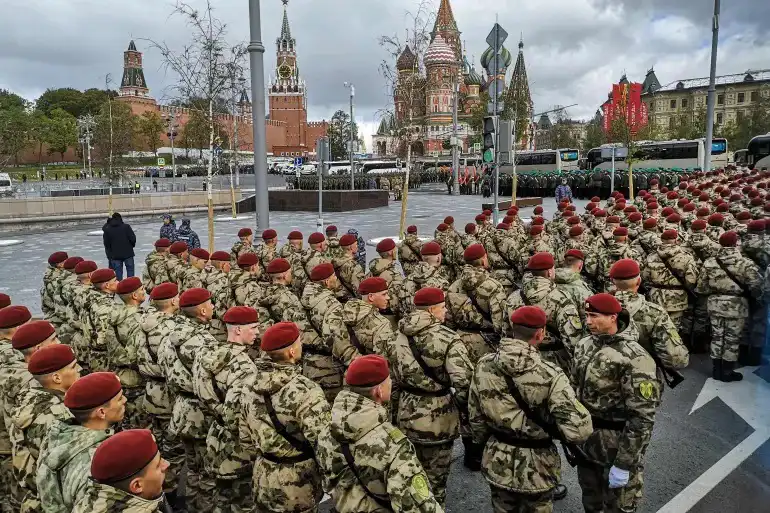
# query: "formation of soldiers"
272,374
372,180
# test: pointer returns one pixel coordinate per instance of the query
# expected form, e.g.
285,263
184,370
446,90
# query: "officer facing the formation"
521,463
614,377
244,244
371,464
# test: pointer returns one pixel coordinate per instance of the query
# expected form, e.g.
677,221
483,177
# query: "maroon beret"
348,240
635,217
672,195
723,207
123,455
690,207
178,248
595,199
200,253
102,276
278,266
538,210
654,181
591,206
600,213
385,245
652,205
269,234
735,197
470,228
536,230
650,223
703,212
667,212
162,243
428,296
32,334
613,220
449,220
669,235
85,267
570,208
71,262
129,285
620,232
367,371
411,229
743,215
716,219
480,218
295,235
488,213
728,239
503,226
575,253
331,229
241,315
538,221
50,359
642,193
756,201
244,232
13,315
703,197
443,227
93,390
683,185
540,262
5,300
573,220
757,226
57,257
664,190
682,202
321,272
165,290
316,238
514,210
629,210
220,256
247,260
372,285
194,297
674,218
698,224
529,316
474,252
575,231
603,303
279,336
431,248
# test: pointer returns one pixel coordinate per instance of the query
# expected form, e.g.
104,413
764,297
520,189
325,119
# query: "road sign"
489,155
297,161
161,162
476,147
497,37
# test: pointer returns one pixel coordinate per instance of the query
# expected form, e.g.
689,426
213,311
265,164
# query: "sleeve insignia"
647,389
420,486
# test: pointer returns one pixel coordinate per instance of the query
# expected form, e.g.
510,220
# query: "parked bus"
665,154
565,159
741,158
759,152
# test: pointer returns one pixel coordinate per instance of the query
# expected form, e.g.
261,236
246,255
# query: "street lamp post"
712,86
256,61
352,172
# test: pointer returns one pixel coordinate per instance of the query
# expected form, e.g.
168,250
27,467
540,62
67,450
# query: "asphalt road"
713,459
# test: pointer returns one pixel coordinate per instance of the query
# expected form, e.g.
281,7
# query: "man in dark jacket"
188,235
119,241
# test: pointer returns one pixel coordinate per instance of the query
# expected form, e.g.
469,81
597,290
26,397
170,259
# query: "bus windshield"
718,146
568,155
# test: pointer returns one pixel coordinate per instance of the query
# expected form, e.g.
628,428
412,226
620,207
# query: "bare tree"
203,68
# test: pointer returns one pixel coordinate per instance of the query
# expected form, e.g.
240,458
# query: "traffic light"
488,132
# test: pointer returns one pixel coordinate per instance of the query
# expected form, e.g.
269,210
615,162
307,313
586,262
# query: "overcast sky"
574,49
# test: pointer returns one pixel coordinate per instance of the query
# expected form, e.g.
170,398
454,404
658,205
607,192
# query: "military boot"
716,372
559,492
473,453
728,372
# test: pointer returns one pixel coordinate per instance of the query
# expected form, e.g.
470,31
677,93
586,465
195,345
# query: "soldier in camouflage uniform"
221,374
111,492
409,250
189,421
78,298
155,267
385,267
618,248
469,237
615,379
67,329
97,405
521,462
434,392
283,414
280,303
267,250
731,281
104,316
157,323
537,243
569,279
295,254
194,275
451,249
317,253
244,244
55,369
427,273
332,244
218,284
244,281
701,244
351,449
347,269
52,273
370,331
714,230
176,263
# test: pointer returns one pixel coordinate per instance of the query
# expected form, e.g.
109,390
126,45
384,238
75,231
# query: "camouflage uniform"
313,258
122,355
247,290
615,378
82,301
14,378
106,499
281,304
265,253
370,331
728,301
521,477
193,278
217,282
155,270
238,249
388,270
37,409
104,314
350,275
65,464
385,461
428,409
670,273
319,359
175,267
296,257
50,275
409,252
573,285
220,375
65,330
702,246
70,312
283,413
423,275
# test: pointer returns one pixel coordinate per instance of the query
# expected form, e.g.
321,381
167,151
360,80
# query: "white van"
6,186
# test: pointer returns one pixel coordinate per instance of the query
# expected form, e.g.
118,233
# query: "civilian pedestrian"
119,241
563,191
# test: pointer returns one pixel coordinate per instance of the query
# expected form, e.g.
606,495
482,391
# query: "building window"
684,103
671,122
754,96
720,99
741,97
673,104
719,118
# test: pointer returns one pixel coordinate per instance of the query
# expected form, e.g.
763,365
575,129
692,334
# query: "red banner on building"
626,102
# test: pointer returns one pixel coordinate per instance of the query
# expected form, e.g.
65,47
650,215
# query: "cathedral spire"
518,96
446,27
285,30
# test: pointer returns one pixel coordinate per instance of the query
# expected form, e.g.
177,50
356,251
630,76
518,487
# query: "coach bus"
564,159
665,154
759,152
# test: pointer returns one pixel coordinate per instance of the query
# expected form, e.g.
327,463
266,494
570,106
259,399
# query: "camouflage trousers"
505,501
598,497
234,496
287,487
726,335
135,416
201,486
9,488
171,449
678,319
436,460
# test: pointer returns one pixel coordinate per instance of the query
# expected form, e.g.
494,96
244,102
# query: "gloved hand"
618,477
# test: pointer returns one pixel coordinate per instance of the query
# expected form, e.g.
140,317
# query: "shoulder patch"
396,435
647,389
420,486
580,408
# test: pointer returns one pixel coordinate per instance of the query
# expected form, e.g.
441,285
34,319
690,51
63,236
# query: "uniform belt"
317,350
287,459
612,425
425,393
524,443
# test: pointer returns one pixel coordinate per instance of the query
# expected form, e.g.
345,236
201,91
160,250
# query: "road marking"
749,399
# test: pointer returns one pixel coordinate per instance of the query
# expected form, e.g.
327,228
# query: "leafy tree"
195,133
594,137
120,141
688,125
339,135
10,100
77,103
754,122
15,125
60,132
149,128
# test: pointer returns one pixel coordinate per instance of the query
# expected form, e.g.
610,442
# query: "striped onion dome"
439,52
474,78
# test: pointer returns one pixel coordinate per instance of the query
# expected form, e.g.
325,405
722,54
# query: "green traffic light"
489,155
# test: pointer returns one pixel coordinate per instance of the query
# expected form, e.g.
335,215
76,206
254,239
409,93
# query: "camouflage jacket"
486,294
495,415
757,248
105,314
13,379
247,290
266,253
430,418
350,275
296,258
409,252
282,305
299,405
702,246
573,285
333,250
65,464
530,247
369,330
714,232
317,361
239,248
155,327
657,333
175,267
123,354
313,258
385,460
102,498
618,251
615,378
176,356
155,270
726,298
325,314
220,374
646,242
82,299
668,287
37,408
423,275
193,278
50,275
218,284
60,306
388,270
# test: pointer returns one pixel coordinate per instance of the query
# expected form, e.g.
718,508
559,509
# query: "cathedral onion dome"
487,58
407,60
439,52
474,78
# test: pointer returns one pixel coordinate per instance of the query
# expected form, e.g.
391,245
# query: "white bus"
665,154
759,152
6,185
564,159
